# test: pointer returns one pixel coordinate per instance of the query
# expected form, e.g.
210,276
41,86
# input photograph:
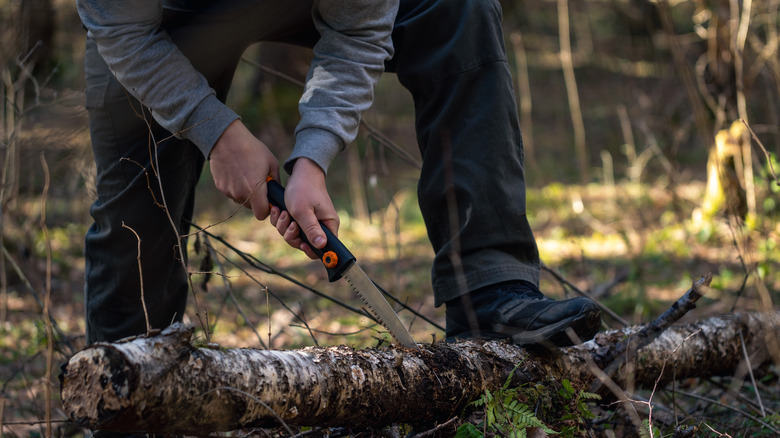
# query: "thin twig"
302,318
525,97
148,181
35,295
766,154
262,403
750,371
603,379
739,395
330,432
660,374
26,423
619,354
273,72
581,292
732,408
739,32
252,277
385,141
715,431
404,305
324,332
567,65
373,132
47,297
239,206
258,264
436,429
141,278
738,293
268,313
682,65
229,289
155,162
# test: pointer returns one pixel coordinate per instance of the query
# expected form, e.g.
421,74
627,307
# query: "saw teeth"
373,312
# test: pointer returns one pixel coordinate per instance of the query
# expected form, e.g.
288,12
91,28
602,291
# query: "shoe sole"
585,325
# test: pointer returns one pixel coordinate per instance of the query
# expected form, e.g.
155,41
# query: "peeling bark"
164,384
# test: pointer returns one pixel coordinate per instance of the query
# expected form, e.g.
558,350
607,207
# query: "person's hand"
307,200
239,165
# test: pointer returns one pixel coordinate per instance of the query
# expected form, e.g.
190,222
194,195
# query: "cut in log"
164,384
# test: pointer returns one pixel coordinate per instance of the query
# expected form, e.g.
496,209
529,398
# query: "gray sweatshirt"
348,61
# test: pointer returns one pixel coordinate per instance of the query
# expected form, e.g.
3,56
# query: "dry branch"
165,384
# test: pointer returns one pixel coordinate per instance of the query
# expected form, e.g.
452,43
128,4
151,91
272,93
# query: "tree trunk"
724,184
165,384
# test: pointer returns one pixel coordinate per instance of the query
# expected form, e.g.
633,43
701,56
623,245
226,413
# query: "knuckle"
313,230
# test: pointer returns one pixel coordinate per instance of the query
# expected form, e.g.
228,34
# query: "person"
157,75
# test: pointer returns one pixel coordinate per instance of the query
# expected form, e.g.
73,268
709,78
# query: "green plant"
645,431
576,409
505,415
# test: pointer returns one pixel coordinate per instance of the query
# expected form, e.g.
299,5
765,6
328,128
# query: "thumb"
311,227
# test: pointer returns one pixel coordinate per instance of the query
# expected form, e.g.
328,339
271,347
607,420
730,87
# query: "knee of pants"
478,11
444,38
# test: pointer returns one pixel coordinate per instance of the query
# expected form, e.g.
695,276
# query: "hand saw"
340,263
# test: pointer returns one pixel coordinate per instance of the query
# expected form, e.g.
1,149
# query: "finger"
292,235
309,252
273,216
273,170
259,202
284,222
313,230
332,225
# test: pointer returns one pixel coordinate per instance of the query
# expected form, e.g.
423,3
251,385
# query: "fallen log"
165,384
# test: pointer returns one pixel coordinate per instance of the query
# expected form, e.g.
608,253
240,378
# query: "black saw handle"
334,256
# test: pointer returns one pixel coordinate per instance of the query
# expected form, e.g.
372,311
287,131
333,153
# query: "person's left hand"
239,164
308,201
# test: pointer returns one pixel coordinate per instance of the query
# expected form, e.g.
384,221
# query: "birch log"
164,384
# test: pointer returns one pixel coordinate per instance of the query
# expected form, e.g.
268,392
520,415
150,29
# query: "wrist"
308,168
228,135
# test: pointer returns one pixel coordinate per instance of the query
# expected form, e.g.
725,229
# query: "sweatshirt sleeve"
355,41
149,65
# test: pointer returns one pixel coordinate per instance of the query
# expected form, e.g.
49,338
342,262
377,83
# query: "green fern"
504,414
645,431
468,430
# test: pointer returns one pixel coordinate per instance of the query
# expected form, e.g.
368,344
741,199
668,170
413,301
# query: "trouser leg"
130,199
451,56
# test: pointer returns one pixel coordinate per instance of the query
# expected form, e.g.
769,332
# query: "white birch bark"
165,384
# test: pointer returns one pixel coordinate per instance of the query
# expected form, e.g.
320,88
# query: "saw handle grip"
334,255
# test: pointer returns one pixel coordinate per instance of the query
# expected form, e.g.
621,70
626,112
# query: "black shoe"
518,311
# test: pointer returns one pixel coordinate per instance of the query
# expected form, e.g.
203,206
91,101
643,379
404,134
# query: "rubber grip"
334,256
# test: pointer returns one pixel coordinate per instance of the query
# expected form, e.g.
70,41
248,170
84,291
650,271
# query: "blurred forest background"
652,136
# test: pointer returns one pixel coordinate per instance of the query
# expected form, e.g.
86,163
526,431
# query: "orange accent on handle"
269,178
330,259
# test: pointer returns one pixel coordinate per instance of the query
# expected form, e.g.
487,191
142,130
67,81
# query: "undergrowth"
555,407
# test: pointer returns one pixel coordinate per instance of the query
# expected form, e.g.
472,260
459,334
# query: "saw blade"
380,308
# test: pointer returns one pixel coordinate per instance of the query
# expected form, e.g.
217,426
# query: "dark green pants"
448,53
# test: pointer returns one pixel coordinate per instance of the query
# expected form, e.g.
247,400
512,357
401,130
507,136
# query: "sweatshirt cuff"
318,145
207,123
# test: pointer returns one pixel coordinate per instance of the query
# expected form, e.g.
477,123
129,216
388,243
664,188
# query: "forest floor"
636,246
634,237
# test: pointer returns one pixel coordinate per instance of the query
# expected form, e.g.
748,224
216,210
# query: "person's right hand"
239,165
308,201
